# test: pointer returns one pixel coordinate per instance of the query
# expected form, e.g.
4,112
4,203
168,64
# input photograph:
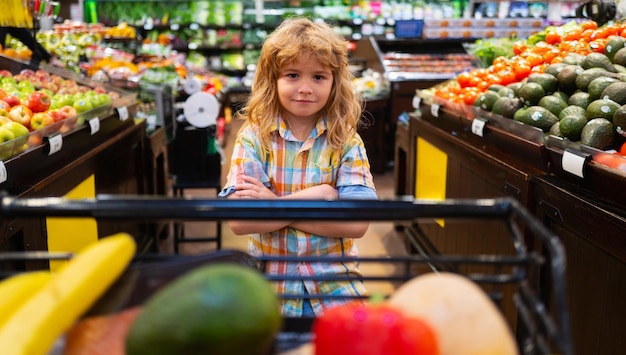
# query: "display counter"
103,152
486,158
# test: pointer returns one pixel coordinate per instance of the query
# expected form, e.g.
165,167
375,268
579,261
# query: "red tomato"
371,329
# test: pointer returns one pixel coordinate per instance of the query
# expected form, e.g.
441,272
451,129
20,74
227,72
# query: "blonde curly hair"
292,38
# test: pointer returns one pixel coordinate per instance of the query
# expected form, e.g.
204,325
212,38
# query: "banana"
34,327
17,289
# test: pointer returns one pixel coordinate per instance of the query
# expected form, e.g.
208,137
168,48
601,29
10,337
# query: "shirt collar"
283,131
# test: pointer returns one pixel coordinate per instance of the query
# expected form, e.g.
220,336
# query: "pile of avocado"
582,98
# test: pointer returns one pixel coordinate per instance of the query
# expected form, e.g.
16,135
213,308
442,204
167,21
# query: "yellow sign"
72,234
430,173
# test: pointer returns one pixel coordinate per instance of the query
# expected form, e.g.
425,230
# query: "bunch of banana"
122,30
44,305
16,13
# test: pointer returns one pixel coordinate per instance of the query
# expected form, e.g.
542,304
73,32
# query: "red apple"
12,100
5,73
38,101
5,105
40,120
21,114
62,113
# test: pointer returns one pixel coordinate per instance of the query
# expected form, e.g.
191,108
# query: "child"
299,141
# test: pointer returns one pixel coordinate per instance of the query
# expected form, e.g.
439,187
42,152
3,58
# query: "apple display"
38,101
40,120
21,114
5,105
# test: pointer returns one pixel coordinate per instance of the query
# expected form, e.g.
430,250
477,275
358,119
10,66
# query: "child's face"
303,88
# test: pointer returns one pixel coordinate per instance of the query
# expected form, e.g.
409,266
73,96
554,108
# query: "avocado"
597,86
573,58
601,108
598,133
519,114
571,126
539,117
598,60
613,44
572,110
486,100
584,79
507,92
616,92
619,118
495,87
567,78
580,98
531,93
555,130
619,57
553,103
549,82
555,68
515,86
562,95
507,106
217,308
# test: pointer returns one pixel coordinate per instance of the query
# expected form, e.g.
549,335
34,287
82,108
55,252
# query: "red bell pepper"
371,329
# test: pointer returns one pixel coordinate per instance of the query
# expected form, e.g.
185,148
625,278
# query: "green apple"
26,86
82,105
6,134
18,129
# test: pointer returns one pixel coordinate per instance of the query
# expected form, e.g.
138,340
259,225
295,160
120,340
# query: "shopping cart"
537,265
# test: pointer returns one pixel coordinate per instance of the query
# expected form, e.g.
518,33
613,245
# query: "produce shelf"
536,270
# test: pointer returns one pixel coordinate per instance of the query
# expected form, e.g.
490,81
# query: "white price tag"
3,172
122,111
574,162
194,26
478,126
416,102
56,143
434,110
174,27
94,124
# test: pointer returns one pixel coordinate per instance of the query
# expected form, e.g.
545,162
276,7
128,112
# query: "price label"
574,162
434,110
194,26
148,26
122,111
94,124
56,143
3,172
416,102
478,126
174,27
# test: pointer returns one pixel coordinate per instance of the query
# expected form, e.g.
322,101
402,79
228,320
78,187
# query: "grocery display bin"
536,270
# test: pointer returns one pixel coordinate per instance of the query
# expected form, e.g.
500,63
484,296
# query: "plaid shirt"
291,166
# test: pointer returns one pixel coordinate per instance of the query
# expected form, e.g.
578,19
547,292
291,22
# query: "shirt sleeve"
354,178
245,160
357,192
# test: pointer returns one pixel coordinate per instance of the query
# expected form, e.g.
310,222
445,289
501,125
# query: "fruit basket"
534,272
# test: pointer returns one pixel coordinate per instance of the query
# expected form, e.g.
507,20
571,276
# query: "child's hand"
253,189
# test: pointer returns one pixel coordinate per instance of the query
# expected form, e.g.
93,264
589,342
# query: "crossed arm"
253,189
